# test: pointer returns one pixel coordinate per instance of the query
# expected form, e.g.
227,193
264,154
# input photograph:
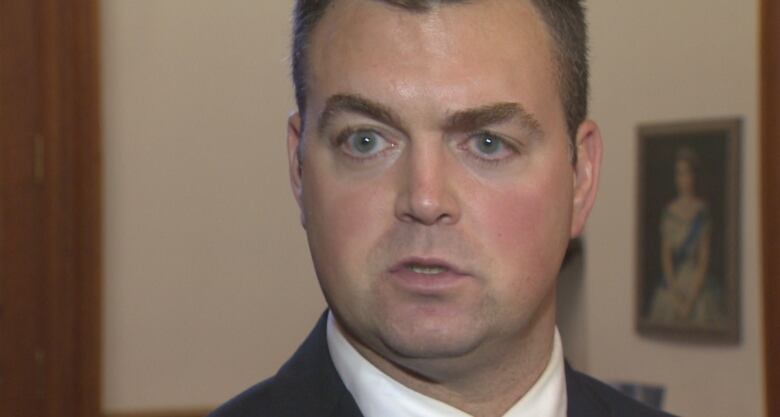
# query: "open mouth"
427,276
426,269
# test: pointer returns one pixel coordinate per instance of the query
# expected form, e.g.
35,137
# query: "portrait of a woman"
685,292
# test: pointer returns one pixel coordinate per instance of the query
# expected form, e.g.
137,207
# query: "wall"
660,61
208,282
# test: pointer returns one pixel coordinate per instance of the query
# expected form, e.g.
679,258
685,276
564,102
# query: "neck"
486,382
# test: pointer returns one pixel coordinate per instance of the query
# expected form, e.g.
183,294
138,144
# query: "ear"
586,174
294,155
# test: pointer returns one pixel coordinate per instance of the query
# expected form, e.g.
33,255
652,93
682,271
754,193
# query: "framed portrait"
688,230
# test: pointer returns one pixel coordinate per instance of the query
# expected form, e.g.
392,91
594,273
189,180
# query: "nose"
426,193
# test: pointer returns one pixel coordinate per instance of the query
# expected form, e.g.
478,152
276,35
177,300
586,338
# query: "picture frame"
688,285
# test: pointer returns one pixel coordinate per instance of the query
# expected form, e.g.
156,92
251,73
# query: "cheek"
527,225
527,230
342,220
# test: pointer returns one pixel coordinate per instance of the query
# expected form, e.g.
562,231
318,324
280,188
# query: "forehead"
463,54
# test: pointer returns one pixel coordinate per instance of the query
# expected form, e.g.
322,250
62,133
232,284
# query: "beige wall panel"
661,61
208,280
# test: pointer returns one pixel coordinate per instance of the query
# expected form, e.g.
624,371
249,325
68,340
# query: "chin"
416,340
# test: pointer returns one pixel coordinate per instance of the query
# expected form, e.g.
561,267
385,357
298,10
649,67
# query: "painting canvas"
688,237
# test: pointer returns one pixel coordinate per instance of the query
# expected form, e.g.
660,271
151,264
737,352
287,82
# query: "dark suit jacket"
308,385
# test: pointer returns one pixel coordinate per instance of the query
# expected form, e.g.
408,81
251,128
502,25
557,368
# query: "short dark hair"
564,18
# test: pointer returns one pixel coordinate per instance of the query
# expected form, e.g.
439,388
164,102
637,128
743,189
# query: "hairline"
563,78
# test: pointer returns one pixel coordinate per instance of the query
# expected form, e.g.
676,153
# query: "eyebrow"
491,114
460,121
350,103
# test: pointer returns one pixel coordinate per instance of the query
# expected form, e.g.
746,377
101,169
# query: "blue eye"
363,143
488,146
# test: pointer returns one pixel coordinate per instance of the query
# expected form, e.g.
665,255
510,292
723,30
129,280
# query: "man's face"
435,183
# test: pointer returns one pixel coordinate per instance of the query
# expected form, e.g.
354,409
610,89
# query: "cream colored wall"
208,284
659,61
208,281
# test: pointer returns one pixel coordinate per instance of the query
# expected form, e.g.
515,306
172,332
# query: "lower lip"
426,284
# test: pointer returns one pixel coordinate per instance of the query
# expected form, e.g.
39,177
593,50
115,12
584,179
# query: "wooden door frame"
770,197
71,132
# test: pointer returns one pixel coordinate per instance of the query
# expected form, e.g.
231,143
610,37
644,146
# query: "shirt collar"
379,395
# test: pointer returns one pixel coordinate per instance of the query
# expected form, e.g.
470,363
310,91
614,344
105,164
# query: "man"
442,161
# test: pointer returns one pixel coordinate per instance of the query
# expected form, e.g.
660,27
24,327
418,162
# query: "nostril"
427,211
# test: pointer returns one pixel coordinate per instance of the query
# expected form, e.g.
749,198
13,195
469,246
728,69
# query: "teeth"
427,270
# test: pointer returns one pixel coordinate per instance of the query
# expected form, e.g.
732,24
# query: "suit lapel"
582,401
313,384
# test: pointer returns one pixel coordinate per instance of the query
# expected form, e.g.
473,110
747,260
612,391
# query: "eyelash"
512,147
342,137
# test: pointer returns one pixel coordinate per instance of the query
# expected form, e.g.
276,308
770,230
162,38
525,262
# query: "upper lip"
426,263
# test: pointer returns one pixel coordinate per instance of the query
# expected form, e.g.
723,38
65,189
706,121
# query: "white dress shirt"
379,395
